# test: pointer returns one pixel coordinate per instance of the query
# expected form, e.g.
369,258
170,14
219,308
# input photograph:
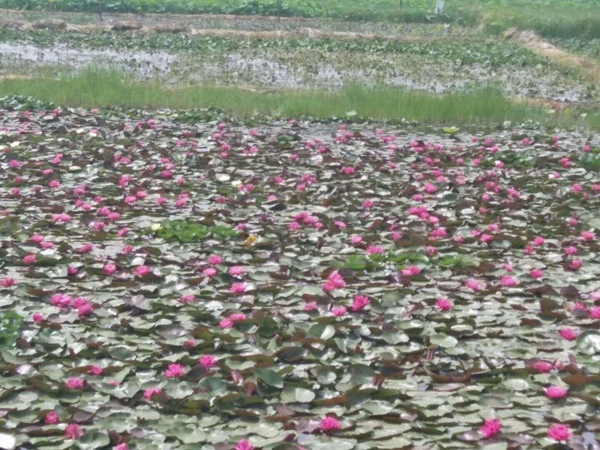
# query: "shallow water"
270,69
139,62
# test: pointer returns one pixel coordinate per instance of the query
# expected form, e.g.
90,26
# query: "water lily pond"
174,282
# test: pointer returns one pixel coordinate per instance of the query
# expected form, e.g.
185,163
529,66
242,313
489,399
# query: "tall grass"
95,88
553,21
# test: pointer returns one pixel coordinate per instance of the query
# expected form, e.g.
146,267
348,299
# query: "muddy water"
267,69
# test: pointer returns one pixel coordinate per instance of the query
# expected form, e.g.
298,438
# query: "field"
356,226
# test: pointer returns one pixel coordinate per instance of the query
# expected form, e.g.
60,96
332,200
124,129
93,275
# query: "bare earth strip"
176,26
535,44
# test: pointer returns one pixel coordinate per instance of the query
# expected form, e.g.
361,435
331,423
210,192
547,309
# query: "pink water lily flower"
38,318
142,271
226,323
310,306
188,298
571,250
244,444
536,273
330,424
556,392
360,302
61,300
339,311
588,235
215,260
190,343
51,418
237,271
236,317
356,240
375,250
474,284
509,281
208,361
334,281
8,282
75,383
29,259
86,248
74,431
210,272
151,392
542,366
96,370
444,304
238,288
411,271
491,428
560,432
430,188
576,264
569,334
175,371
486,238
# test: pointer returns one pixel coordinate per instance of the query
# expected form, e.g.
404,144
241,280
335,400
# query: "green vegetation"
556,20
186,232
584,47
590,162
101,88
514,160
10,327
553,18
403,259
469,52
361,9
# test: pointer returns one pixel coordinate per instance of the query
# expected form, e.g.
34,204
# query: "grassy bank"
100,88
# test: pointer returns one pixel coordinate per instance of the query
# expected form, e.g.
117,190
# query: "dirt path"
532,42
181,27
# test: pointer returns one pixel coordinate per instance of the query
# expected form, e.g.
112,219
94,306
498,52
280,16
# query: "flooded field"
305,66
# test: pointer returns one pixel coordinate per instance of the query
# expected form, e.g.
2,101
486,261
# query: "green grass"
584,47
551,18
95,88
554,21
